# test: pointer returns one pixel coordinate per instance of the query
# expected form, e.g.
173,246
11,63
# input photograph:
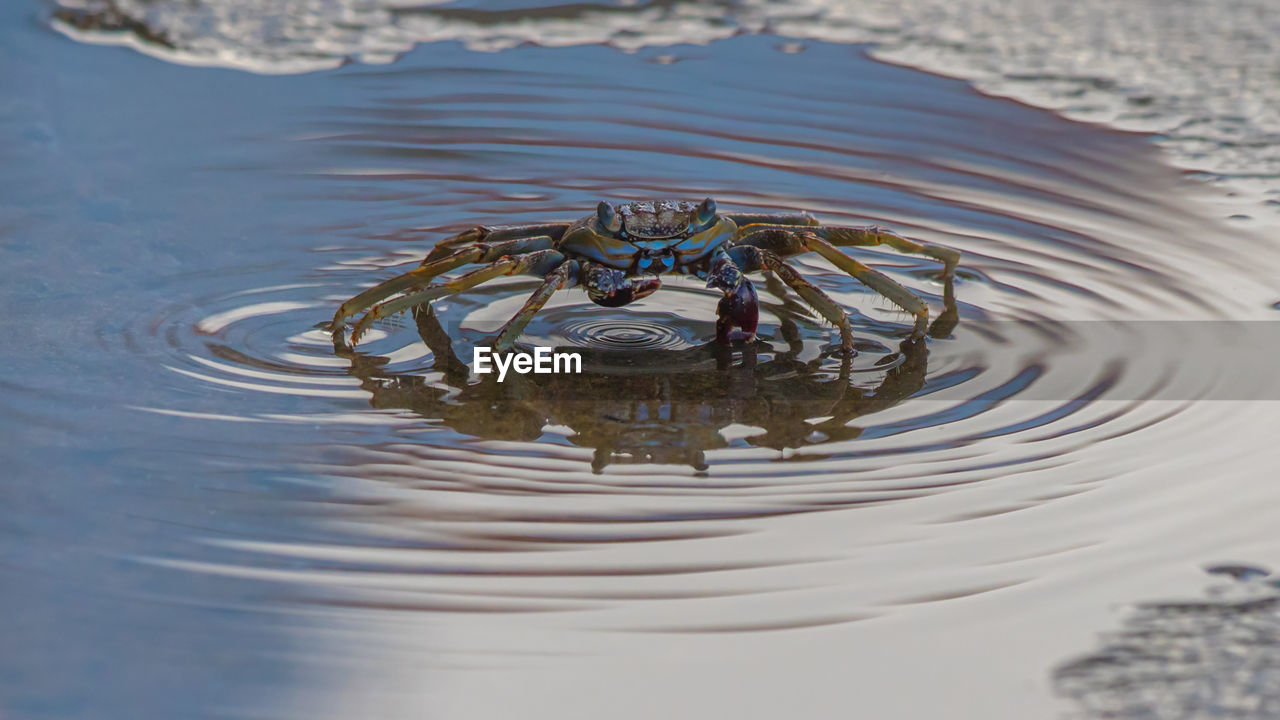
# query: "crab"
619,253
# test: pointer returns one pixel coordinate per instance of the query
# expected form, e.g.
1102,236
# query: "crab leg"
751,258
877,281
788,219
564,275
493,235
787,310
868,236
478,252
782,241
537,263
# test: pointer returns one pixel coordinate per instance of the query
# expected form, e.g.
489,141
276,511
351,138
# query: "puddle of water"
758,531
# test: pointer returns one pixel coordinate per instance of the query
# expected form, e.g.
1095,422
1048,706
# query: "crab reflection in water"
659,406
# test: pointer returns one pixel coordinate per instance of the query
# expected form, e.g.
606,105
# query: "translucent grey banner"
993,361
1111,360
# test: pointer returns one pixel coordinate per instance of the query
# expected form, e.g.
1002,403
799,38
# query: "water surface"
212,514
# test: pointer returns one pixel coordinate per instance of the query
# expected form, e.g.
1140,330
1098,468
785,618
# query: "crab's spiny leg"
789,242
783,241
565,275
870,236
385,289
876,235
538,263
875,280
789,307
492,236
789,219
479,252
780,241
787,311
751,258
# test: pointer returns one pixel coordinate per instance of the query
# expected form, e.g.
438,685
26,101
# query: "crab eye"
608,217
706,211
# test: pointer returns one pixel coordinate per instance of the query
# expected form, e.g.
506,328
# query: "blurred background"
1063,506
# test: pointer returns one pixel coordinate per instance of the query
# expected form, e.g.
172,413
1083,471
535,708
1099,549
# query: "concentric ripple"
612,333
1069,237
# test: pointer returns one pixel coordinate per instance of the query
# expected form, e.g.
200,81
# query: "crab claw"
612,288
634,289
725,276
739,313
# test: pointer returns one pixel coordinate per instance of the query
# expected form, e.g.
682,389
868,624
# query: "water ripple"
608,333
662,471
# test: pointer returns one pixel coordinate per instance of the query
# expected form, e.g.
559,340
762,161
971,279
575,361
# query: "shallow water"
211,513
1196,74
